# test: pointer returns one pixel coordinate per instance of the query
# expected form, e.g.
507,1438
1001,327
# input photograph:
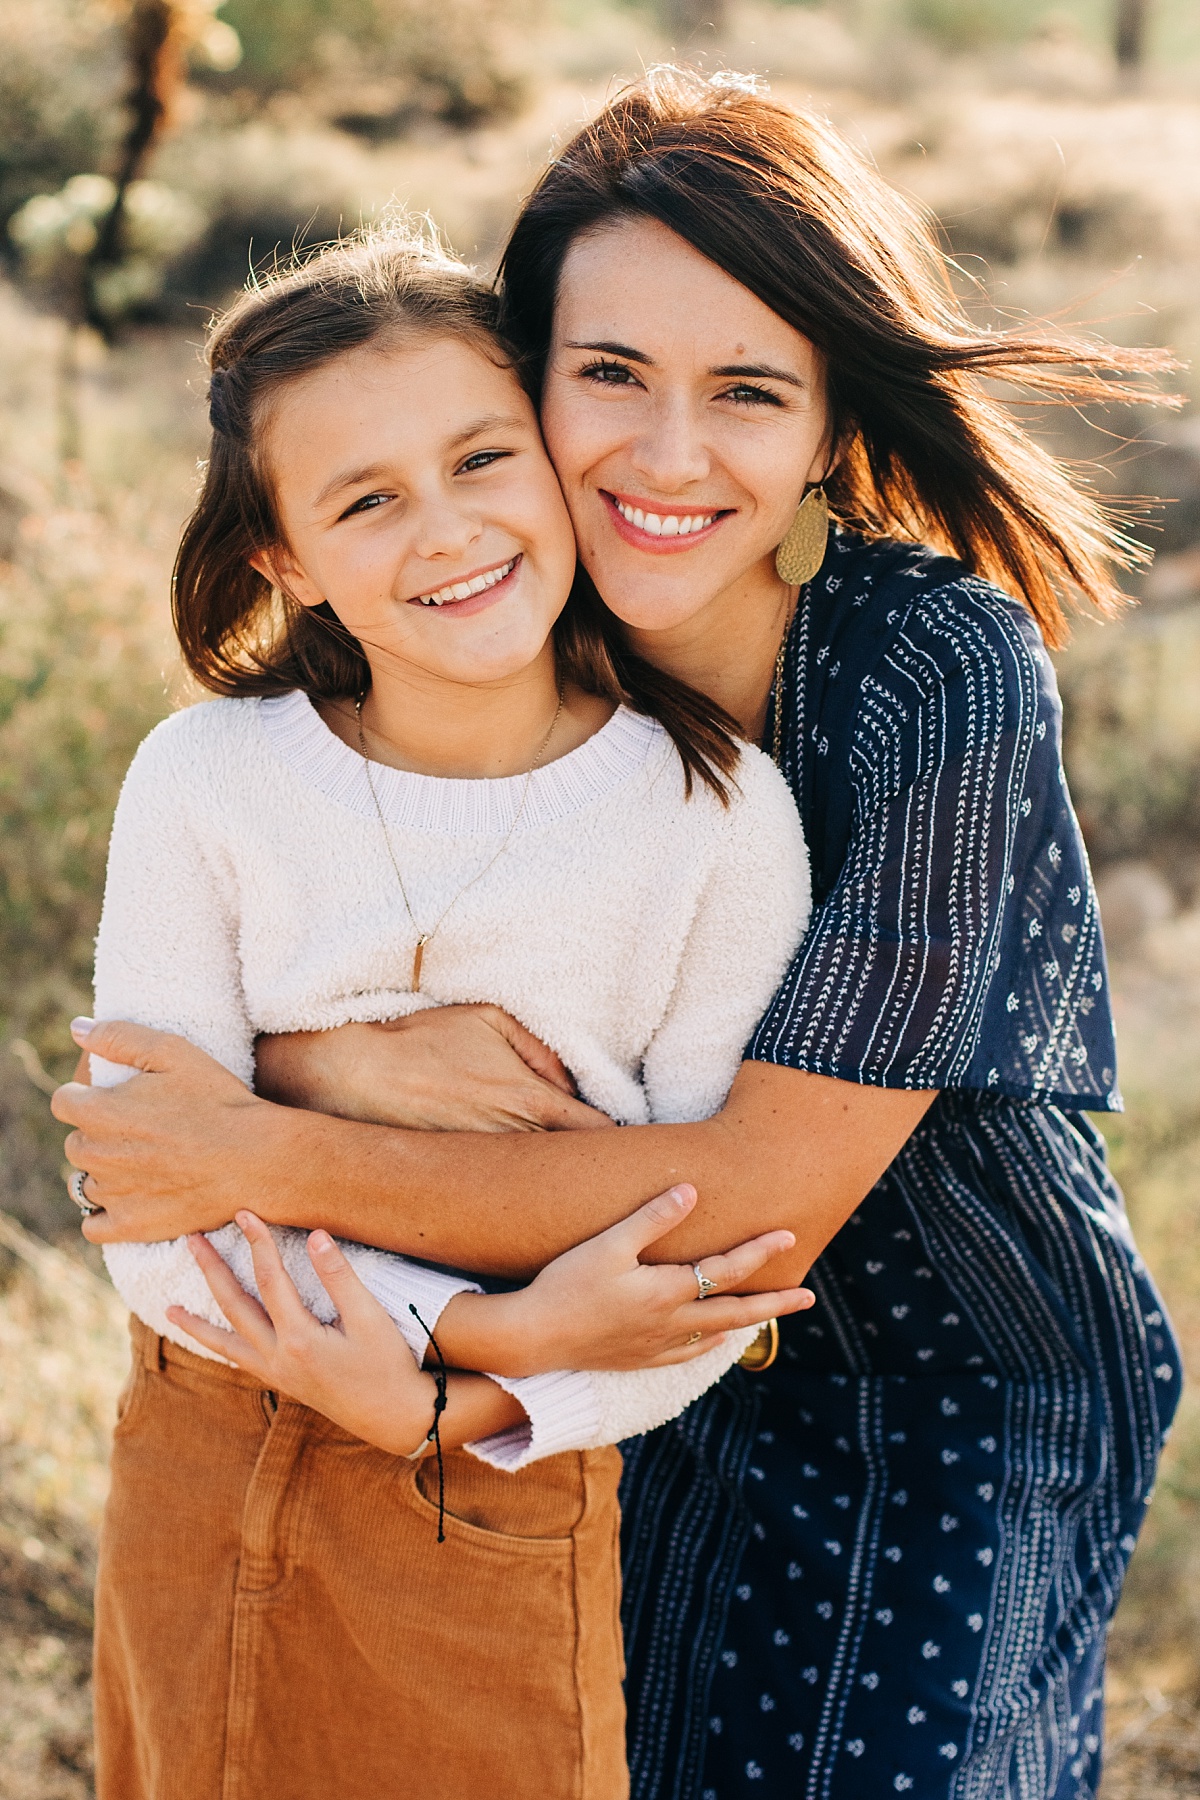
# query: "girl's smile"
471,593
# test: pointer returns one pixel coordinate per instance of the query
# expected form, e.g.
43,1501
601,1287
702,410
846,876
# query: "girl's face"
685,419
414,495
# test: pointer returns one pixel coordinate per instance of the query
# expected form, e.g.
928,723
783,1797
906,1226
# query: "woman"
888,1564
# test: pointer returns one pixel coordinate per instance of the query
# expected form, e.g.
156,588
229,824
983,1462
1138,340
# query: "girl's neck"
727,650
432,726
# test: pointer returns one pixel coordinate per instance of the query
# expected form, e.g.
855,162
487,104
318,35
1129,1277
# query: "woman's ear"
280,568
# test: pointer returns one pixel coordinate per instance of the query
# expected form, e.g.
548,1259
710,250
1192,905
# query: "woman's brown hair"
778,200
240,636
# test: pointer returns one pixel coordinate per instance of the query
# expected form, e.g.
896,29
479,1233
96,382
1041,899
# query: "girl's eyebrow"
758,371
346,478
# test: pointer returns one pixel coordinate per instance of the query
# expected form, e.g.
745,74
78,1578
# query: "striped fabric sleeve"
924,963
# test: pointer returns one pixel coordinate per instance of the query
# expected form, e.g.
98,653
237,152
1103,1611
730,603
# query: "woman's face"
415,495
684,418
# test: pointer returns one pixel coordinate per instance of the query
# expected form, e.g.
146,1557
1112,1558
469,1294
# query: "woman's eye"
609,374
745,394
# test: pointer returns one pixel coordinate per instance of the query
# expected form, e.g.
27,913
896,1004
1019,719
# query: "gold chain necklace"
777,694
427,937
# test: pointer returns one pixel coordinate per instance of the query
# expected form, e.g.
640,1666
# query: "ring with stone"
703,1282
75,1189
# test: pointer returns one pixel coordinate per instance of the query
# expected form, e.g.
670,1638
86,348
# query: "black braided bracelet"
435,1430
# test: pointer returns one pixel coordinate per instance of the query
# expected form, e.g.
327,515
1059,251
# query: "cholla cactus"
56,234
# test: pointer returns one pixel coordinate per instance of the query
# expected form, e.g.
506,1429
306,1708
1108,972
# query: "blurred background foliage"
151,153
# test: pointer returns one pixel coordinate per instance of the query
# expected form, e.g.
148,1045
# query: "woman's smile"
661,526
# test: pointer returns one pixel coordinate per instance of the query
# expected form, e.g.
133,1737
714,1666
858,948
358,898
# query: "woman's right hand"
599,1306
446,1068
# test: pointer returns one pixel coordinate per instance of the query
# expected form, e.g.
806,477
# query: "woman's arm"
182,1146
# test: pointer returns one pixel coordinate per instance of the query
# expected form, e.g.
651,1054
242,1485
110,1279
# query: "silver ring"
75,1189
703,1282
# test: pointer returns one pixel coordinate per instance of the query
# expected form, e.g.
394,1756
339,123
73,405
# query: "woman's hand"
599,1307
359,1371
446,1068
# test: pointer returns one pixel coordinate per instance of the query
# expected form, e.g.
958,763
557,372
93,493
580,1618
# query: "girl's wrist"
502,1334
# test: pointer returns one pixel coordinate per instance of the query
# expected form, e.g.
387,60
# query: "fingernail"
245,1220
684,1196
791,1238
810,1299
80,1028
320,1241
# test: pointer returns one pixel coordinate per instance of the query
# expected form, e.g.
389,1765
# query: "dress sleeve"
960,946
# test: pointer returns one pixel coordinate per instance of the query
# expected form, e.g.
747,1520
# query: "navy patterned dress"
888,1564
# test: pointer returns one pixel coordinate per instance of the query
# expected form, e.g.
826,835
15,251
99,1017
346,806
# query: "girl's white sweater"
638,933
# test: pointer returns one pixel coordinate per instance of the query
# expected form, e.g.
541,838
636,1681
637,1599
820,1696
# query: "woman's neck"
727,650
432,726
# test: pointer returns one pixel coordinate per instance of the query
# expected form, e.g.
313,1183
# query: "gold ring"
695,1337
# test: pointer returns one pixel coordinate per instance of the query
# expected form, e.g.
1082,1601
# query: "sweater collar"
301,739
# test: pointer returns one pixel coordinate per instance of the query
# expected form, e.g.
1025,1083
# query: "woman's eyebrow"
607,349
760,371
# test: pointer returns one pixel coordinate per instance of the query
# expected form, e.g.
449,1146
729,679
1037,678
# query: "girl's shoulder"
194,749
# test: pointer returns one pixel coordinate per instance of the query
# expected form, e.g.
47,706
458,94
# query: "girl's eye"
368,503
609,374
746,394
482,459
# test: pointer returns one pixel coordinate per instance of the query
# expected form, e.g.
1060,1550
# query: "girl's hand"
446,1068
598,1307
359,1371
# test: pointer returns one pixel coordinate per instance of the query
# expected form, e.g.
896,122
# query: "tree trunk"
686,20
1132,18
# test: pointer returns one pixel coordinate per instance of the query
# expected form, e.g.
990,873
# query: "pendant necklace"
427,937
777,695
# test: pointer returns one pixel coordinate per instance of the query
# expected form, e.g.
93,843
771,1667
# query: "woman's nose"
670,451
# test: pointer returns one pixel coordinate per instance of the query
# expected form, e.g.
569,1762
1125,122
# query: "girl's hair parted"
241,636
776,197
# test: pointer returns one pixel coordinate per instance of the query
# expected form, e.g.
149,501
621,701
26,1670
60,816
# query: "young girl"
432,780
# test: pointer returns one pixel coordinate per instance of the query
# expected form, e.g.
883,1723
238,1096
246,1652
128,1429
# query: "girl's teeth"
463,590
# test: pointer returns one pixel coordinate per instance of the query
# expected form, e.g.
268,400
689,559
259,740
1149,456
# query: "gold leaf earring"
803,549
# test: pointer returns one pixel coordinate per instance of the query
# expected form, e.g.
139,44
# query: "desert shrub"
80,684
60,89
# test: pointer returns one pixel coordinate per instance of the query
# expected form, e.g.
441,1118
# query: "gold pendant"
418,959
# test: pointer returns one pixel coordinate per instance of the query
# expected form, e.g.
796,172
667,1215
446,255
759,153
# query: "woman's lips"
663,542
471,603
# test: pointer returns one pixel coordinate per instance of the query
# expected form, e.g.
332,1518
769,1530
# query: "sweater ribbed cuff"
563,1414
396,1283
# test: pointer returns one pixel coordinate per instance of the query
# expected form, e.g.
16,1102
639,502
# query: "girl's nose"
444,530
670,451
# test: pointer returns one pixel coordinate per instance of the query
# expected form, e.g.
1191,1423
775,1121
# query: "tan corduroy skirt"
276,1620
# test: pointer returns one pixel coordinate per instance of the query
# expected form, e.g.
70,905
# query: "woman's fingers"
240,1308
533,1053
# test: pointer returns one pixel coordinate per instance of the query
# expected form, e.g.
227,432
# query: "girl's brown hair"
239,635
775,197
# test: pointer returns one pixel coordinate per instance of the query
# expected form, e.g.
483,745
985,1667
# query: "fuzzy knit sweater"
639,933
